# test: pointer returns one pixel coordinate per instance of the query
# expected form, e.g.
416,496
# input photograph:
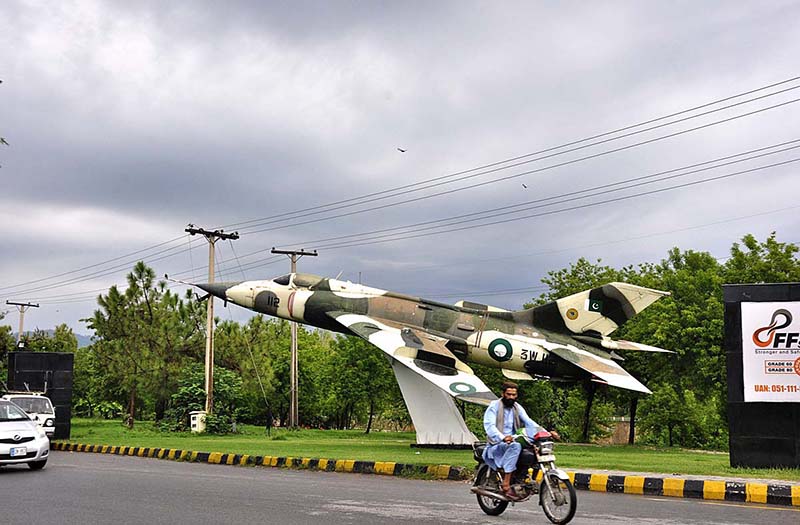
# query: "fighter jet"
566,340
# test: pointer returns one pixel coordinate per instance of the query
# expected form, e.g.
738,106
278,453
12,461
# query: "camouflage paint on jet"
563,340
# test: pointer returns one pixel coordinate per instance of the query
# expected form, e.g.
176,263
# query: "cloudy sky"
126,121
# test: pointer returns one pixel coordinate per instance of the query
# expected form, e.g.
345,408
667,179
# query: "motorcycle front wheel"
559,504
491,506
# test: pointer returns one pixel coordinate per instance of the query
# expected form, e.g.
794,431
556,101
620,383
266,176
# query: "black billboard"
763,374
48,372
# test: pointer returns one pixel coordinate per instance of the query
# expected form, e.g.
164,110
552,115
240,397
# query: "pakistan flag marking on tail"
594,305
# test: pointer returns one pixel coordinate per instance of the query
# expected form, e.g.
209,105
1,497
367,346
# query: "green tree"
143,338
6,345
688,322
360,381
62,339
575,427
581,275
249,350
767,262
679,418
191,396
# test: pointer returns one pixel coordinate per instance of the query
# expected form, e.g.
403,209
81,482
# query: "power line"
520,157
164,254
505,291
45,299
143,250
452,263
632,182
380,240
327,242
517,208
328,239
529,172
383,192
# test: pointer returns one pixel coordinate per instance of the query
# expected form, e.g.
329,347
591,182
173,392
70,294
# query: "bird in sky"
524,186
401,150
3,141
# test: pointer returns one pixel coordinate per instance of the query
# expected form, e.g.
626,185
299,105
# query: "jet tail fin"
601,310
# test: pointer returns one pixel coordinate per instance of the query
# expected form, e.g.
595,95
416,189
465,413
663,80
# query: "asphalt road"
98,488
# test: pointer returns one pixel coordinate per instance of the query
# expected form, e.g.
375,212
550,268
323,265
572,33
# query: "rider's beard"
508,403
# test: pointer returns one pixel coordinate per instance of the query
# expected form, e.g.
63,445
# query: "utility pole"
212,238
22,308
294,414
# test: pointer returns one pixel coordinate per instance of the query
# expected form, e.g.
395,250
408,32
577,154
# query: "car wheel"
37,465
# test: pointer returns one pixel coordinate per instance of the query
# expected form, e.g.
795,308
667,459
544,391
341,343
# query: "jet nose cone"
217,289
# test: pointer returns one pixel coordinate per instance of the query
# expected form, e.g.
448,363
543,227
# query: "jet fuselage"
475,333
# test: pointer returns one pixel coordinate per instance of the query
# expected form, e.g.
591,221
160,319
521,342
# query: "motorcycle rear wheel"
560,505
491,506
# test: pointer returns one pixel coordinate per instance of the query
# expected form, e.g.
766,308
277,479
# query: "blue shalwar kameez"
499,454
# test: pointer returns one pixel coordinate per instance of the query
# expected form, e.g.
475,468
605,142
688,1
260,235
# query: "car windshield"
34,405
11,412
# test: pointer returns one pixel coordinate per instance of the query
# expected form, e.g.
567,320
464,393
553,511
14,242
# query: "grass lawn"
395,446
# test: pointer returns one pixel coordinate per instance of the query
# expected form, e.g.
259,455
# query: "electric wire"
559,196
463,262
191,260
18,285
45,300
520,157
574,195
248,344
162,254
459,219
238,261
517,175
34,281
380,240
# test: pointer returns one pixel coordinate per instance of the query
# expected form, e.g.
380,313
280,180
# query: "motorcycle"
556,493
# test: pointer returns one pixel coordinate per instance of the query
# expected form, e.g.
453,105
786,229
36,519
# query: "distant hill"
83,340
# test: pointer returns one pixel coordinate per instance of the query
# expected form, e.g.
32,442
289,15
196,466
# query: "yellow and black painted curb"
773,493
388,468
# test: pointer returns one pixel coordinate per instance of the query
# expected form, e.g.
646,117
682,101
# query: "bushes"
670,418
191,396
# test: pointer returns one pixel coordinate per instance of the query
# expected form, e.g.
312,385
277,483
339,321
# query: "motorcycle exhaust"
489,494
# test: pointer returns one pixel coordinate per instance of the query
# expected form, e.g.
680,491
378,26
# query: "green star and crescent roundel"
500,350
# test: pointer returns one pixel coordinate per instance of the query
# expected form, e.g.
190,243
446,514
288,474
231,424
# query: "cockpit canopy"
283,280
298,280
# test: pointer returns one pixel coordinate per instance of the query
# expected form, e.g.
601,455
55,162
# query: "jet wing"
421,353
602,368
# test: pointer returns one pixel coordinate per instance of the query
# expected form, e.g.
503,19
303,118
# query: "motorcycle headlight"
546,448
49,422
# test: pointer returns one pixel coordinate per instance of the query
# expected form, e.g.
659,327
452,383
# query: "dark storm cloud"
129,119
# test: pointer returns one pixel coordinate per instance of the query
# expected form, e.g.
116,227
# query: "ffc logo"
773,328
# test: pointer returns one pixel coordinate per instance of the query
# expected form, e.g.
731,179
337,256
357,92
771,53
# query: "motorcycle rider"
502,419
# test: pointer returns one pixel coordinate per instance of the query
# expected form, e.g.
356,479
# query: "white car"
21,440
38,407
